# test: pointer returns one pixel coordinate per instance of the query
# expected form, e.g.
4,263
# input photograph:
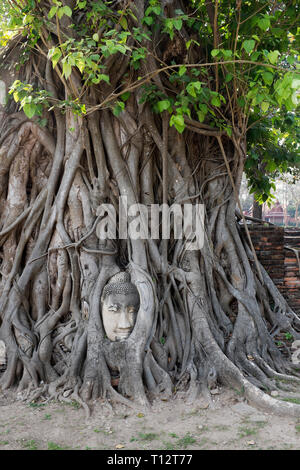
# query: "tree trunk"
257,209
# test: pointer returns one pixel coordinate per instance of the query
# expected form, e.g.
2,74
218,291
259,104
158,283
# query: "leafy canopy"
233,68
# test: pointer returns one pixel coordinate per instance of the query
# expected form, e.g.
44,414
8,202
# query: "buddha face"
119,311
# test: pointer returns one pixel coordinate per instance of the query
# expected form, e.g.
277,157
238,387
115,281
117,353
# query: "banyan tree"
148,102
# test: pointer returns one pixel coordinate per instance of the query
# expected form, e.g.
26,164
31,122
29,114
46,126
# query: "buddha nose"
124,321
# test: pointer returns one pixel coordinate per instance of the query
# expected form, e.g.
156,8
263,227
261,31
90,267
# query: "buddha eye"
131,310
113,308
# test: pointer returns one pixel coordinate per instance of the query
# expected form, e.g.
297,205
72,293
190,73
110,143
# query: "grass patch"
240,392
185,441
31,445
245,432
297,427
181,442
107,433
54,446
5,432
73,404
292,400
169,446
36,405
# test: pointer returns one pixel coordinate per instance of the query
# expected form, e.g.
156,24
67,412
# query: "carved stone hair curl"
120,283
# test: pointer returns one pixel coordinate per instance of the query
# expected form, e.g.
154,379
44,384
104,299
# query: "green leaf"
255,56
296,84
267,78
123,22
273,56
52,12
118,108
60,13
95,57
295,98
156,9
104,77
228,131
201,116
178,121
43,122
227,53
67,11
153,9
96,37
80,63
228,77
265,106
163,105
125,96
215,52
291,60
148,20
55,56
67,69
248,45
264,23
216,101
182,70
28,19
29,109
241,102
178,24
193,87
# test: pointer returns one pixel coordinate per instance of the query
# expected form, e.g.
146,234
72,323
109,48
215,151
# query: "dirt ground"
229,424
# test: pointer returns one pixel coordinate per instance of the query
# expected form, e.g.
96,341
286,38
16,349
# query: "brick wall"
280,262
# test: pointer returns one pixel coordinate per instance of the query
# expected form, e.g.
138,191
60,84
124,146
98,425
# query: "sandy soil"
230,423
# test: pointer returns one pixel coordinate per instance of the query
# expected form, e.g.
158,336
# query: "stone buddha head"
120,303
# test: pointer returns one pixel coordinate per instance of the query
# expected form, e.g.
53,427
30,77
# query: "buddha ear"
2,354
85,310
